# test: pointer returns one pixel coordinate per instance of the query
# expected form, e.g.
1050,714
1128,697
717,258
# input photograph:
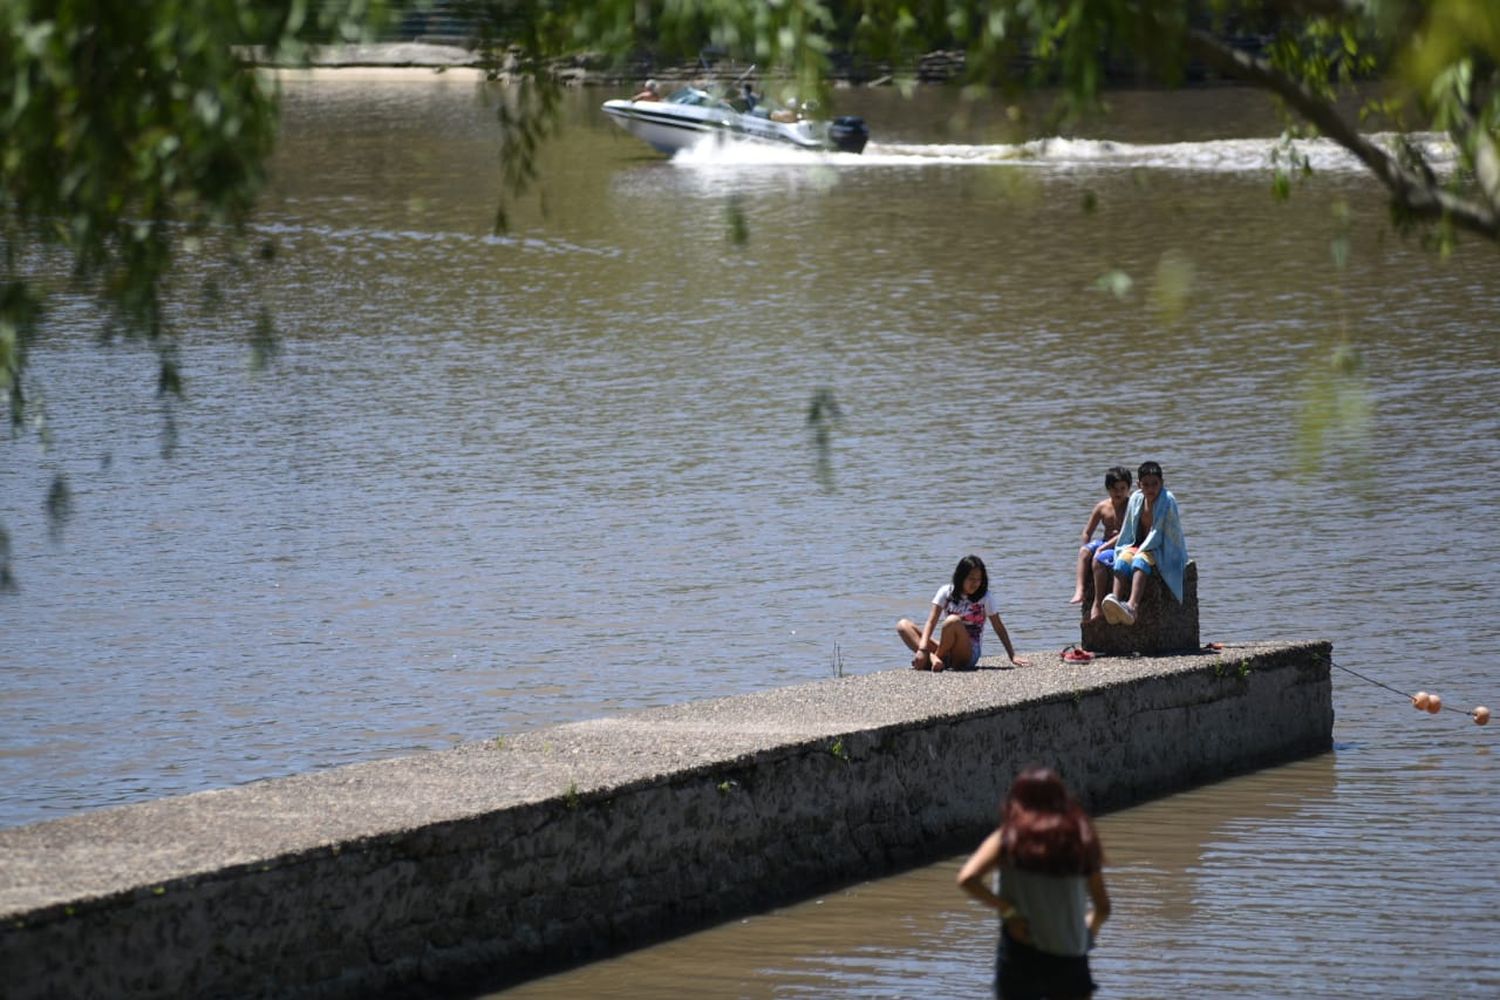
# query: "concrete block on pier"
1164,625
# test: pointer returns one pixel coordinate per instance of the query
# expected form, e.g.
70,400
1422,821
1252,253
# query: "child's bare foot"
1096,612
937,665
1077,597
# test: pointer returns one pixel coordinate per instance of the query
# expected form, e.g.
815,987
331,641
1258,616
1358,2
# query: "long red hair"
1044,829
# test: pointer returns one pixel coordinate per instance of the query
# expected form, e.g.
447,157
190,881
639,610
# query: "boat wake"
1212,156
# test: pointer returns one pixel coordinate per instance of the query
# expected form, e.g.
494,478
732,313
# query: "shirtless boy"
1099,553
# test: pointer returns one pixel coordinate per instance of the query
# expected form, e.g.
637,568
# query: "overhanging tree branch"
1418,196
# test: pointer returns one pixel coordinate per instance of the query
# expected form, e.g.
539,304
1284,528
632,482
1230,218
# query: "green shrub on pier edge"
1238,668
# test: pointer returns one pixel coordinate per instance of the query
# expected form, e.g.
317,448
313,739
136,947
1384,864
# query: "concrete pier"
463,869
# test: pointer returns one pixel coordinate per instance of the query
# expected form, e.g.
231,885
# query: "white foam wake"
1211,156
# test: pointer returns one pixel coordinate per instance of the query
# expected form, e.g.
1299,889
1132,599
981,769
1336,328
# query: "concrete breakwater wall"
458,869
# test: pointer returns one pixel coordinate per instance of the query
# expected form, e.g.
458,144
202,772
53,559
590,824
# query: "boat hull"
669,127
665,131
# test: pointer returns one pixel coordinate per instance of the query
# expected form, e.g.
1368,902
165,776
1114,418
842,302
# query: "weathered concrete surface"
490,862
1164,625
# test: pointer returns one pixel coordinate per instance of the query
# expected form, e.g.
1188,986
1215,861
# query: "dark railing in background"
454,22
437,22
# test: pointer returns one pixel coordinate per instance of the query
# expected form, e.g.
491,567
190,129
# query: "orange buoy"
1481,716
1434,704
1419,701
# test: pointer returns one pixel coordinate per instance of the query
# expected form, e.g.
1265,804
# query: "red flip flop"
1072,654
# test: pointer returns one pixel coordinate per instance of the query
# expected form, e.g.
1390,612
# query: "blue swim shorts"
1128,559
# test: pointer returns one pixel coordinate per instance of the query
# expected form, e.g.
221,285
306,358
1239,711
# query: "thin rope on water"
1372,680
1411,699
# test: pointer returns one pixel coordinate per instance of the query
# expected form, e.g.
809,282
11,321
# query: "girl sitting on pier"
963,605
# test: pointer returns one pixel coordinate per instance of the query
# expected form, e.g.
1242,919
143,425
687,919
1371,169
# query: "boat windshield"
694,97
691,95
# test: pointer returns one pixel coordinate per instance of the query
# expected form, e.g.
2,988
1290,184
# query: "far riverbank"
588,69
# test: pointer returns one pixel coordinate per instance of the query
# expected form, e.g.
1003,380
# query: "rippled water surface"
498,482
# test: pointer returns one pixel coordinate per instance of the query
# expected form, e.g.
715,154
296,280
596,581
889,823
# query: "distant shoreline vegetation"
464,25
595,70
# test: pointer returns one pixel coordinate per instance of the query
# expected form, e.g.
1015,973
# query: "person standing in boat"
1050,894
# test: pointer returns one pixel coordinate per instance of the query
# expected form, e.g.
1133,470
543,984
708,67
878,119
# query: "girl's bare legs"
952,643
1083,567
911,634
954,646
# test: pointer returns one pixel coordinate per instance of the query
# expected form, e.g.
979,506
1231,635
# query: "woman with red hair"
1051,897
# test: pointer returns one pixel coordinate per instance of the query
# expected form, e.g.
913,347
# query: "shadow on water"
823,417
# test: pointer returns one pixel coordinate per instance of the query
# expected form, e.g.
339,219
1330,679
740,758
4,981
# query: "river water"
496,482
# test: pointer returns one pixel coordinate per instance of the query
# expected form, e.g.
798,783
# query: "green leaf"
1116,282
1340,250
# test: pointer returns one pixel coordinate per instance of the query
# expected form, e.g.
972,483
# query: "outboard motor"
848,134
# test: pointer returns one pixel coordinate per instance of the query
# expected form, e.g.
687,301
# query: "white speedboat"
692,115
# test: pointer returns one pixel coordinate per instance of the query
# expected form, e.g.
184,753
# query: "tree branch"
1420,197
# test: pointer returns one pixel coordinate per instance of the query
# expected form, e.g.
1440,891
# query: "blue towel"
1164,541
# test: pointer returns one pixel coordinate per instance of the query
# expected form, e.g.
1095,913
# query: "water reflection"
1157,851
